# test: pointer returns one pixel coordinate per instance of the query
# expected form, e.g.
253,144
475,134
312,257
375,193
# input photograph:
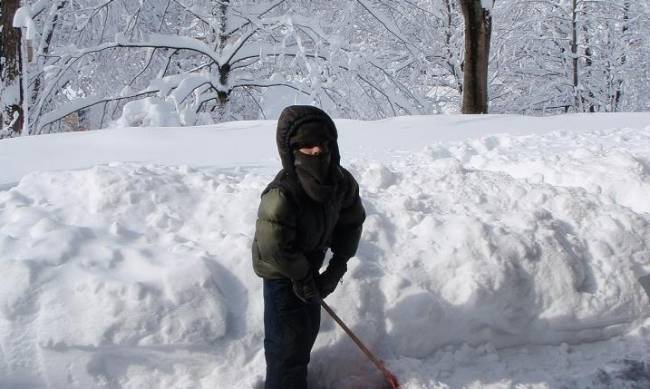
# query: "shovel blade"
645,283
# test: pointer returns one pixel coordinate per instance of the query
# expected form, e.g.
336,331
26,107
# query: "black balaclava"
313,171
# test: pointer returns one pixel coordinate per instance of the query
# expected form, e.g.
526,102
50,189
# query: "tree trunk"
11,88
478,31
588,73
619,87
577,101
224,69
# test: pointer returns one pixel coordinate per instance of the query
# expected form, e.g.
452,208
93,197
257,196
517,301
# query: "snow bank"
486,262
222,145
476,256
123,255
148,112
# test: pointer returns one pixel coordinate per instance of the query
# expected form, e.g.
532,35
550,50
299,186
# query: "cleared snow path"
502,261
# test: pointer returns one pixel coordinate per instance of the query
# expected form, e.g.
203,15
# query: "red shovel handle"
392,380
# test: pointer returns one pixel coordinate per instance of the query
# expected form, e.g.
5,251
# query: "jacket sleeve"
347,232
276,235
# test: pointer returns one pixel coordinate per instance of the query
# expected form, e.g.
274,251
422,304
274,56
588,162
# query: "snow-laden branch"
388,24
175,88
250,21
159,41
84,103
168,41
268,84
204,18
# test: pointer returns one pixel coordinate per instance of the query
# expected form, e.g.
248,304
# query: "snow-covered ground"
498,252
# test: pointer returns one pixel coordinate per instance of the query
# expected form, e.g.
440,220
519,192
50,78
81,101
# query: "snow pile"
613,163
118,255
489,262
476,256
148,112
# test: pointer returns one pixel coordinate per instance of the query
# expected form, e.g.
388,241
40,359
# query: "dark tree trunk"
589,74
224,72
224,69
574,54
478,32
11,88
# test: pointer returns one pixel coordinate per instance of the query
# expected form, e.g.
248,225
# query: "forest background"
71,65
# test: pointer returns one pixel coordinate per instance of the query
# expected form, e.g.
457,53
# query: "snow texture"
148,112
492,261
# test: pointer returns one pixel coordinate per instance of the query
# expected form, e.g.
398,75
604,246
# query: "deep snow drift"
501,260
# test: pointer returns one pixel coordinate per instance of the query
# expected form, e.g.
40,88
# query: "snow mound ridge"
144,257
473,256
113,256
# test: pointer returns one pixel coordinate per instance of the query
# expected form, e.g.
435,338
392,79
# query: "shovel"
390,377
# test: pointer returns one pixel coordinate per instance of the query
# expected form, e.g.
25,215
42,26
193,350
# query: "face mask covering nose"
316,166
313,173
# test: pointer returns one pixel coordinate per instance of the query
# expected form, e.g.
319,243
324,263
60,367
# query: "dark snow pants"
290,330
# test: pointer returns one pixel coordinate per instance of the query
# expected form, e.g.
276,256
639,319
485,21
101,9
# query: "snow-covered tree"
421,44
90,63
570,56
221,61
11,87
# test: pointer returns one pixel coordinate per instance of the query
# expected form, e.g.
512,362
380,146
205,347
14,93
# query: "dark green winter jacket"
293,232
